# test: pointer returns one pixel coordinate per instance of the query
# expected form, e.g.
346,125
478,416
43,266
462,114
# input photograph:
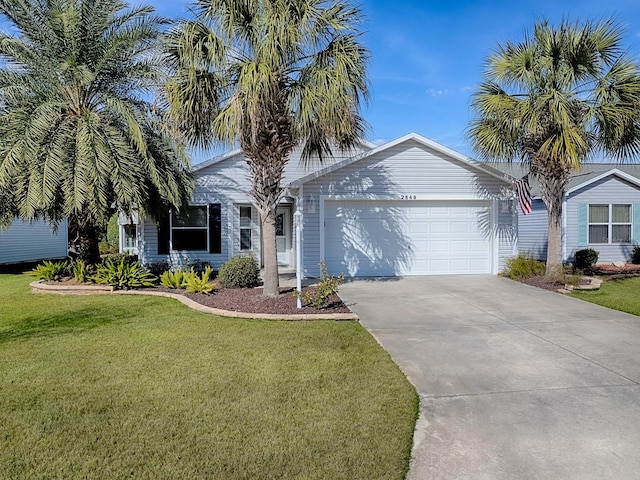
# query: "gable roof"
238,152
593,177
588,174
487,169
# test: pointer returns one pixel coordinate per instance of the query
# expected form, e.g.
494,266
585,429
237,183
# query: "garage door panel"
419,227
405,238
460,227
438,227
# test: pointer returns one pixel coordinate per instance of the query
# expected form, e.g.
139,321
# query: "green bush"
117,257
635,254
106,249
80,270
49,270
113,232
197,265
123,273
195,283
239,272
171,279
158,268
586,258
327,286
523,266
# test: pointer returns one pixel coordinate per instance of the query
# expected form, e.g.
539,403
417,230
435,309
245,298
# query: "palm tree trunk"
553,181
554,245
87,240
271,287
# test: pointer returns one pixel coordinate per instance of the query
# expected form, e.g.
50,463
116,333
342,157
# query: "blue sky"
427,57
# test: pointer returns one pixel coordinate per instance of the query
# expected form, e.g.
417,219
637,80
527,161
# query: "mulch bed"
250,300
608,270
541,281
611,269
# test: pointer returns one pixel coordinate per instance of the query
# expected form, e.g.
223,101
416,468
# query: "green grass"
143,387
619,294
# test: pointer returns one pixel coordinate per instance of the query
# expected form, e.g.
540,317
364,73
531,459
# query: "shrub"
123,273
49,270
158,268
635,254
80,270
117,257
197,265
327,286
112,238
195,283
523,266
106,249
586,258
240,272
171,279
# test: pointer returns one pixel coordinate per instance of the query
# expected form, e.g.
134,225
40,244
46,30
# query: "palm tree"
269,75
79,137
563,94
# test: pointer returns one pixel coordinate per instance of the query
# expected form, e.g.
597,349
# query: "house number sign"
408,197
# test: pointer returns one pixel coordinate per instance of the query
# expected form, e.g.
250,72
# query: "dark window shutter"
163,233
215,228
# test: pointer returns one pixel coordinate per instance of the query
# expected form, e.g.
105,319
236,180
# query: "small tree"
552,100
269,75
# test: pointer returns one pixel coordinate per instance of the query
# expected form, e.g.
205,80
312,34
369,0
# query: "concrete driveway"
514,382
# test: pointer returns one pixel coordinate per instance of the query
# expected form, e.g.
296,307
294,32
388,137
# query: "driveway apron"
515,382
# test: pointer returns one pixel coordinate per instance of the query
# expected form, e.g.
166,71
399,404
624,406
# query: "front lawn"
617,294
142,387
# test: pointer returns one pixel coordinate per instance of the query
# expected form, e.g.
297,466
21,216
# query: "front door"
283,235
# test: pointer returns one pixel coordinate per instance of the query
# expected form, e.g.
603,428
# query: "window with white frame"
130,233
609,223
246,228
189,228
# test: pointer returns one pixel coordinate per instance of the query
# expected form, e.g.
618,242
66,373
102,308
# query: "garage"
407,237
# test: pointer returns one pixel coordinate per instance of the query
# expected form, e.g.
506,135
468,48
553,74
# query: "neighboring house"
408,207
601,210
32,241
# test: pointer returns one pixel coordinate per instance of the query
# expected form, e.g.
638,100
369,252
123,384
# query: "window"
195,228
130,234
189,229
245,228
609,223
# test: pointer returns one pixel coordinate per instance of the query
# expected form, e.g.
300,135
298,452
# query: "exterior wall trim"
495,250
613,171
409,137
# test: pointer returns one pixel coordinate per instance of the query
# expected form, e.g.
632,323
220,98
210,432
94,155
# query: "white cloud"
436,92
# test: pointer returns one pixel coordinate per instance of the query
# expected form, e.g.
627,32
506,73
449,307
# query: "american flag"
523,191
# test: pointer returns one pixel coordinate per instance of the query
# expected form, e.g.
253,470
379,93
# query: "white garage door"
368,238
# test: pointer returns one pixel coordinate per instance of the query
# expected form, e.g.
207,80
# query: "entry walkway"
515,382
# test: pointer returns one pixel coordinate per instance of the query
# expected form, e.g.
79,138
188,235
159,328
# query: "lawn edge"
40,287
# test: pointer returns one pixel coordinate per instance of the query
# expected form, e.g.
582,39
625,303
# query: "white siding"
608,190
227,182
28,242
533,231
409,169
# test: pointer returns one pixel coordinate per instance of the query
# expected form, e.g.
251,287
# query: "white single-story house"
32,241
408,207
601,210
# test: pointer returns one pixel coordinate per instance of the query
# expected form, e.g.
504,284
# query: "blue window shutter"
583,224
636,223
